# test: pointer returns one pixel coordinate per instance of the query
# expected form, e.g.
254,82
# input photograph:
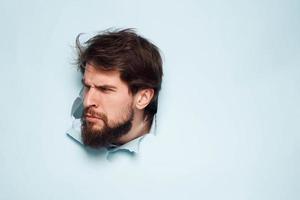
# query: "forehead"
96,75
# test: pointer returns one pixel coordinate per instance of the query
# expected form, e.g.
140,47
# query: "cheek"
117,106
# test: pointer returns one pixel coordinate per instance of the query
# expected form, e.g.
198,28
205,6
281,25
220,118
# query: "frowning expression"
108,103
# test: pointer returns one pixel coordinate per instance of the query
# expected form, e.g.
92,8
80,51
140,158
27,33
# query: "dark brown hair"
136,58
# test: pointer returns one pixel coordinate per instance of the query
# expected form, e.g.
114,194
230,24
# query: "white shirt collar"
133,145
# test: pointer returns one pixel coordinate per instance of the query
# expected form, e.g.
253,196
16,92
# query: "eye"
86,86
103,89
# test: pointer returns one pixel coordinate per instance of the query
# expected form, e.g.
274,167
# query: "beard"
103,137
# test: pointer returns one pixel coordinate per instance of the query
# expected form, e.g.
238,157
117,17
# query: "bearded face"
97,131
108,107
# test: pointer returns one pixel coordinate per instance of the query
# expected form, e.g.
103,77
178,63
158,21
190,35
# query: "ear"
143,98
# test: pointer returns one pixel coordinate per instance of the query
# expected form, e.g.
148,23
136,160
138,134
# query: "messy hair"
136,58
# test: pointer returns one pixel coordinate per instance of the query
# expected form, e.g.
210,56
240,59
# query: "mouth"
91,118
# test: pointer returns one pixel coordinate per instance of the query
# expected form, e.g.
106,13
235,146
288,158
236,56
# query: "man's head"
122,75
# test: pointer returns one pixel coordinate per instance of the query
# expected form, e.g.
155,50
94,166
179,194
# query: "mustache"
89,111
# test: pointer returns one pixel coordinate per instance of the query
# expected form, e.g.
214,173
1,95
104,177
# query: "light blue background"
229,110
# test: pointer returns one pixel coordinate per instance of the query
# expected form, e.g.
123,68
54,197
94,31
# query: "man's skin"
107,94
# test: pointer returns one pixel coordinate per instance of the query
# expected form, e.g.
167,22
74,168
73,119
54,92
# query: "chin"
95,128
94,125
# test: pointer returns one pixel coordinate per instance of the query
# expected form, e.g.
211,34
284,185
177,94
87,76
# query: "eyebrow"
105,86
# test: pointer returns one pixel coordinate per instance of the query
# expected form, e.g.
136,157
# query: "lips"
92,118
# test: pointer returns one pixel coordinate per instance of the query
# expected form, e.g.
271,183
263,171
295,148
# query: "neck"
139,127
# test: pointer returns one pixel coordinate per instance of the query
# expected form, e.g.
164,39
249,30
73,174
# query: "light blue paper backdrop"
229,116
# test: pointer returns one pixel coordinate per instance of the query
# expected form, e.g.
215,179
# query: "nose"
89,98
